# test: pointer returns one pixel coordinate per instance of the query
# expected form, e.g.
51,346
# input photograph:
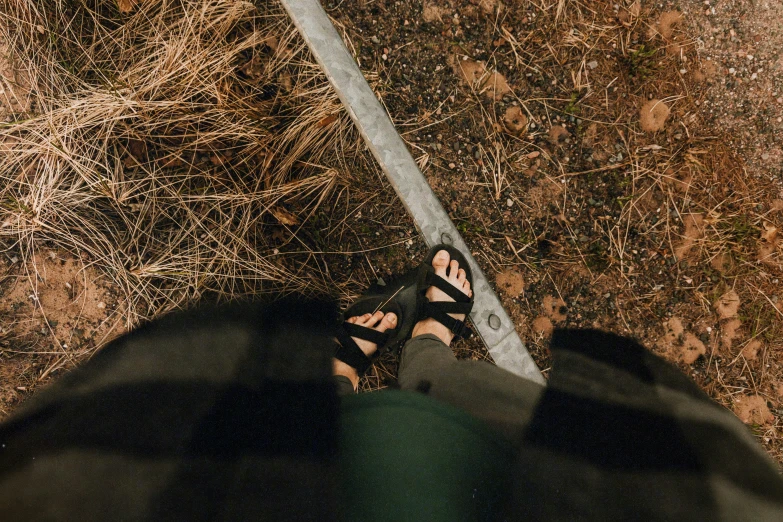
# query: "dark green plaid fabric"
620,434
232,415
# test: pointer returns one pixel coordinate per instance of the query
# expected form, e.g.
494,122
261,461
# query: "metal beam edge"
490,319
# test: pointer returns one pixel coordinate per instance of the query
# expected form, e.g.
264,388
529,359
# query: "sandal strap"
449,289
367,334
438,312
453,308
350,353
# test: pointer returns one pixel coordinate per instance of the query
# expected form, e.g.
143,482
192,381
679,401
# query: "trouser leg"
500,398
344,385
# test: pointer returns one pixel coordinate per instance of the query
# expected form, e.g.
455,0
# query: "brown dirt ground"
55,311
640,193
14,85
526,118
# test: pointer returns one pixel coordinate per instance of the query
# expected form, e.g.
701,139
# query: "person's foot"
378,322
442,263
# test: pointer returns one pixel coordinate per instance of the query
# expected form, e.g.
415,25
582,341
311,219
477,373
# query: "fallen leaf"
729,331
254,69
272,42
138,149
488,6
328,120
491,84
635,9
283,216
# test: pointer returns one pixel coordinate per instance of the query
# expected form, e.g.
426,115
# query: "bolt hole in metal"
494,321
376,128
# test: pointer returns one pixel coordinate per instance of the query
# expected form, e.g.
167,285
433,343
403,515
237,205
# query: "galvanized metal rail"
490,319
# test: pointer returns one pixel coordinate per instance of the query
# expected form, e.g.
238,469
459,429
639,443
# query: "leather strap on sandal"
366,334
350,353
439,310
433,279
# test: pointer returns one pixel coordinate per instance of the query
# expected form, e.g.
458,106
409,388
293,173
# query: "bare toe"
389,321
441,262
374,319
461,275
453,268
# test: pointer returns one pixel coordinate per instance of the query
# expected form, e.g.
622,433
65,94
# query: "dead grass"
162,142
174,146
178,151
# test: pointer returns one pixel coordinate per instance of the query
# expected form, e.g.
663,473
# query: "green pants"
501,399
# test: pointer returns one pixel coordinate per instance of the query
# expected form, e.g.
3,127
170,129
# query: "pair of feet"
446,268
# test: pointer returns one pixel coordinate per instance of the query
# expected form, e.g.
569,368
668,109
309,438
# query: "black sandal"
440,310
398,297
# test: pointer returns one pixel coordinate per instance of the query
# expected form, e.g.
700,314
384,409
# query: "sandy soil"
613,165
14,86
54,312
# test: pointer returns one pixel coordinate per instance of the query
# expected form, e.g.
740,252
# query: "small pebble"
509,202
452,166
101,305
765,156
592,64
